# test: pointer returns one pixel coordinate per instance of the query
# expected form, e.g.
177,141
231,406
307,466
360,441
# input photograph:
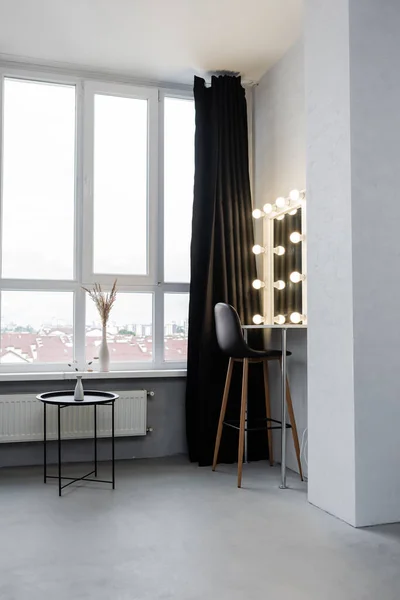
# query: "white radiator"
21,418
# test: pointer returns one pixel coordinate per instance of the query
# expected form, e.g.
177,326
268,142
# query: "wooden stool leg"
294,427
242,419
268,412
222,413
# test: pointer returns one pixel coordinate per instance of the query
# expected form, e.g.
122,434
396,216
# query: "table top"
67,397
274,326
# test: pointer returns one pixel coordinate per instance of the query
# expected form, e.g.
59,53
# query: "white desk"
284,329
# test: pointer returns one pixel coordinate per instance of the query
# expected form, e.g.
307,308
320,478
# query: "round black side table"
64,399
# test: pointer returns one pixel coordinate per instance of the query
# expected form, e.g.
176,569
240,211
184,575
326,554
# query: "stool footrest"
235,424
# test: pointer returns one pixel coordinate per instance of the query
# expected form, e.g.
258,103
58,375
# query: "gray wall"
166,414
279,166
375,160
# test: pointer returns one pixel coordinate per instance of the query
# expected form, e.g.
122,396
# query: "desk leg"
95,439
245,335
113,444
283,410
59,448
45,442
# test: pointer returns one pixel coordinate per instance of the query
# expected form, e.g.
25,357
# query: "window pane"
36,327
176,311
129,330
178,187
38,180
120,185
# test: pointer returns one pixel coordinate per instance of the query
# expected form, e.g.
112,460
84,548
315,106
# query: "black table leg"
113,446
95,440
44,444
59,450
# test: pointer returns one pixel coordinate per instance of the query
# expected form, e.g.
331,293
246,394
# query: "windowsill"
58,375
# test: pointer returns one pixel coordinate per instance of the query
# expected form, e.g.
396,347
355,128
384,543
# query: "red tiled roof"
21,342
53,348
176,349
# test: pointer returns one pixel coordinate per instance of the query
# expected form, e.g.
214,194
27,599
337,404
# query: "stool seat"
230,336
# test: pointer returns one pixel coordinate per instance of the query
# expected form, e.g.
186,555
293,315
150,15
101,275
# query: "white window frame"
91,88
83,274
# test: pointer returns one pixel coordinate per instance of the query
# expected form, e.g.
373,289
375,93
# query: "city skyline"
30,334
55,343
112,329
36,308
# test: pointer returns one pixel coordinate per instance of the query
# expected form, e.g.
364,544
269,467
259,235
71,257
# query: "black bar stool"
231,341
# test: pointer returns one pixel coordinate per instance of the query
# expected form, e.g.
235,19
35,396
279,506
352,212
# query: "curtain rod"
29,64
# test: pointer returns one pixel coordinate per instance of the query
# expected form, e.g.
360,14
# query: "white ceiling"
161,40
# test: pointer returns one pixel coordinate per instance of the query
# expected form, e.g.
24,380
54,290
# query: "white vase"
104,353
78,393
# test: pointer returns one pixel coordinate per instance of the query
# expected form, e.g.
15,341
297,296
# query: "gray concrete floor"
172,530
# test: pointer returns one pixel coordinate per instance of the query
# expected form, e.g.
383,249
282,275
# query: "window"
129,331
97,185
176,326
37,327
120,185
38,180
178,187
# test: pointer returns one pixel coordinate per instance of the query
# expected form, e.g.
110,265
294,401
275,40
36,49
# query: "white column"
353,210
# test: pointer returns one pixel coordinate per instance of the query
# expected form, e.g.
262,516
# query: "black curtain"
222,268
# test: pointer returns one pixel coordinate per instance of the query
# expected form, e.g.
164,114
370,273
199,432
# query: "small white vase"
78,393
104,353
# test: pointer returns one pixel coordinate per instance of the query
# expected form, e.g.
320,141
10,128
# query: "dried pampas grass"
104,301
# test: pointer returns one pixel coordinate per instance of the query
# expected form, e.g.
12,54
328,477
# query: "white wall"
353,216
279,166
330,300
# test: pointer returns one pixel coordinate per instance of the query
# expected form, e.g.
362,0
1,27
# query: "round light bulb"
280,202
280,218
293,212
279,285
257,213
279,319
294,195
279,250
267,208
258,284
296,277
258,319
296,317
257,249
296,237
